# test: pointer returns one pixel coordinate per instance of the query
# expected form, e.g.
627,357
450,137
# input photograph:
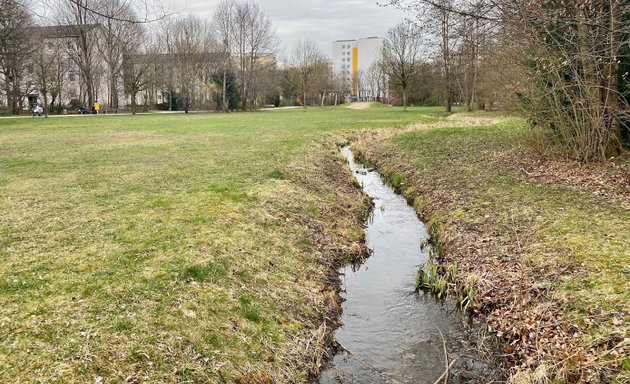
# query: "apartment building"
352,58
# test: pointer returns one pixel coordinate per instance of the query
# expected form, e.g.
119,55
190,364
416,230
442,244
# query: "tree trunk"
113,90
45,94
133,103
611,95
405,99
447,60
7,91
90,90
449,100
224,96
15,96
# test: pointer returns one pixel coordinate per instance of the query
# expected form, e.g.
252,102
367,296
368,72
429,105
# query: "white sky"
322,21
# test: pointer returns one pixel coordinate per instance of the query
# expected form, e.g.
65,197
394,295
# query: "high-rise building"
351,58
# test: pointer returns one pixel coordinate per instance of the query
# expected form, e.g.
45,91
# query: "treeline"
563,64
103,50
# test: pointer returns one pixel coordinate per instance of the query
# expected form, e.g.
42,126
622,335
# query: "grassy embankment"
175,248
544,246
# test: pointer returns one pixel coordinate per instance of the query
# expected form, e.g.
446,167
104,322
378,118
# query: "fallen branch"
447,372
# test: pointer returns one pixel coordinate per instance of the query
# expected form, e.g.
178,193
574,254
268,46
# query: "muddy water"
390,332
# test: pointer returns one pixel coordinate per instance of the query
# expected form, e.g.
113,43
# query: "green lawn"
175,248
202,247
548,262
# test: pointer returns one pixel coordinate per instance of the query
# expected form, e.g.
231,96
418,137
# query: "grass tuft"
211,272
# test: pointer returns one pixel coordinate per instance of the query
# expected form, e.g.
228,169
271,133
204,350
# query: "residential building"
66,83
353,58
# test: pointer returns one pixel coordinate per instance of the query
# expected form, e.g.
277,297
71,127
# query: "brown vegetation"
538,245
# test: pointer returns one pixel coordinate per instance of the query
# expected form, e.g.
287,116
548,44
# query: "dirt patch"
359,106
474,120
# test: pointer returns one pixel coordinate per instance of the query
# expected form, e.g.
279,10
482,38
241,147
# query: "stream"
390,332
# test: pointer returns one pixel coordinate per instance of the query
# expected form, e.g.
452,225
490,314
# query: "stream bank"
390,332
542,241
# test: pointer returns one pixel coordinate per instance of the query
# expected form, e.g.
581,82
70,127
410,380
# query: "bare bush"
572,53
569,54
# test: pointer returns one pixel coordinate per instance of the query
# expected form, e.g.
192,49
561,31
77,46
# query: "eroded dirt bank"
542,246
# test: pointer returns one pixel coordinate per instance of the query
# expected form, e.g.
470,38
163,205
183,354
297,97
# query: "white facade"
352,57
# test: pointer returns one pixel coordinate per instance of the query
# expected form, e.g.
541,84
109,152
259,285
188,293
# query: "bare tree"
16,52
310,68
82,46
142,11
475,34
114,38
455,29
375,80
189,45
46,62
401,56
140,59
255,44
571,54
222,28
437,19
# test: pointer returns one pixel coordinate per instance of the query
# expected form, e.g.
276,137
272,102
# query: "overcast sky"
323,21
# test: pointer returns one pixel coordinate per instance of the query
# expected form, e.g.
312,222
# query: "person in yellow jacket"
96,107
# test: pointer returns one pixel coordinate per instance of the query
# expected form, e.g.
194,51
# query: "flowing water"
391,333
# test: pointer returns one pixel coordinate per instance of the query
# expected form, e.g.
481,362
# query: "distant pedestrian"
96,107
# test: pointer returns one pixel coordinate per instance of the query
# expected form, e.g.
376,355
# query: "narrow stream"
390,331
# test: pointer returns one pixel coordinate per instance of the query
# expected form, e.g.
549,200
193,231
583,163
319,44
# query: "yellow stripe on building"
355,70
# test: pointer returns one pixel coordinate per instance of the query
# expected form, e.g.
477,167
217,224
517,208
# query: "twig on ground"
439,380
527,173
447,372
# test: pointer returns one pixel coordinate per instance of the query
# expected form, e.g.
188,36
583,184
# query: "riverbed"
390,332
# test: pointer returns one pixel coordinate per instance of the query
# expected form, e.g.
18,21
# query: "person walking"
96,107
